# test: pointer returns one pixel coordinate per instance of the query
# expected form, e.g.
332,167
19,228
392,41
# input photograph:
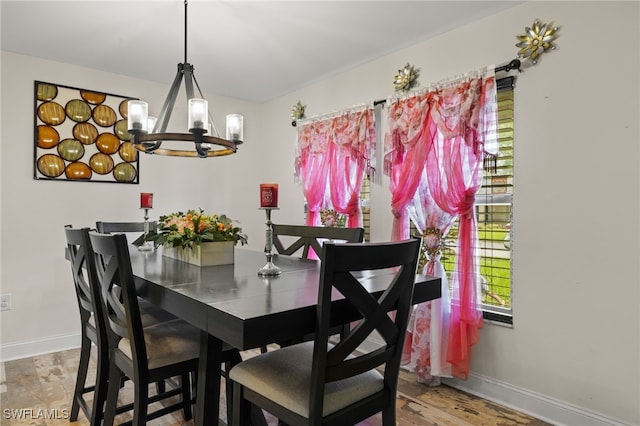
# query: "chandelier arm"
165,113
169,102
198,135
188,81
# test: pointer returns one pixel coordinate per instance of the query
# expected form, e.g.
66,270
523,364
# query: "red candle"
269,195
146,200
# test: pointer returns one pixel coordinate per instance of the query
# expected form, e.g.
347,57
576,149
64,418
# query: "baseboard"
532,403
35,347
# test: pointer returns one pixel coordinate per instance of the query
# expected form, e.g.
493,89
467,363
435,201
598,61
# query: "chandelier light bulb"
235,127
151,123
138,114
198,114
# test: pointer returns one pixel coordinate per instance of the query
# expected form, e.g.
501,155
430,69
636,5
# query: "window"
365,197
494,202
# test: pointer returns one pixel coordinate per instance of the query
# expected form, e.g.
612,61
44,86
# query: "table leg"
208,393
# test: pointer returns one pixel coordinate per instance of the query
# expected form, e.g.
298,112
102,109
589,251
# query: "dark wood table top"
236,305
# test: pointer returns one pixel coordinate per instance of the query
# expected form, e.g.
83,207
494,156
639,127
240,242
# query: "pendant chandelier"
149,133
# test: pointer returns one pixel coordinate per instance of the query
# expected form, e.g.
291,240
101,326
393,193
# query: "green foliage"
193,228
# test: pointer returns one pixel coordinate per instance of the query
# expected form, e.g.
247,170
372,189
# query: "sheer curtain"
433,156
333,153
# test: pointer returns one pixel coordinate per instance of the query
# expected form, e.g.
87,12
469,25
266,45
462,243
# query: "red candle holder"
146,200
269,195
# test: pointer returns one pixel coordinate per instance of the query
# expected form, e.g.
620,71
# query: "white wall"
574,348
576,222
34,212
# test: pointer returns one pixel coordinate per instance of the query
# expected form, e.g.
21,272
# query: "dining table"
233,304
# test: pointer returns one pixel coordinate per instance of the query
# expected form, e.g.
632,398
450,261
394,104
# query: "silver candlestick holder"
270,268
146,245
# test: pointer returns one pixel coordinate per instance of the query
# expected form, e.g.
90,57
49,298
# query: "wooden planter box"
206,254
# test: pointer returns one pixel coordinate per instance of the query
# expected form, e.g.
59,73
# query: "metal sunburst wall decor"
536,40
297,112
407,78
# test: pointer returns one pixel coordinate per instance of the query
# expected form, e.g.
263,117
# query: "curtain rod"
514,64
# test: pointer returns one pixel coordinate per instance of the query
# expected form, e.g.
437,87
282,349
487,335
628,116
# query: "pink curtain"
429,326
332,156
312,167
434,154
405,157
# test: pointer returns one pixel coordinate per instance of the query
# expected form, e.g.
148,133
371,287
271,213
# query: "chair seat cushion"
284,376
167,343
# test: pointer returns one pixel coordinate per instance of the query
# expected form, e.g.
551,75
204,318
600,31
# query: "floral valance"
457,107
351,132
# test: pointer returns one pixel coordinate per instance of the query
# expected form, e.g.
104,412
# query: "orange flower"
179,229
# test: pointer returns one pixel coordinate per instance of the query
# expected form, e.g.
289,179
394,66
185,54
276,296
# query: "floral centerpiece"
332,219
180,231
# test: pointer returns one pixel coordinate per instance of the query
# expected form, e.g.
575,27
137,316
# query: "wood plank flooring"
37,391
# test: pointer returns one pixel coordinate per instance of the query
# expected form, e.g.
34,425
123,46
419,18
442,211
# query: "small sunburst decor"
407,78
536,40
297,112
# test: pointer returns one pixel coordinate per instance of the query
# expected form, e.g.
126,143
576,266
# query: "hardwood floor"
37,391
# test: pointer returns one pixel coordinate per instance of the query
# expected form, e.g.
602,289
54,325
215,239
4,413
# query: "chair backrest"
118,293
311,237
125,227
340,271
85,281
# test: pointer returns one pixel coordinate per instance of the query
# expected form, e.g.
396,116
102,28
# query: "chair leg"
235,360
228,385
194,382
81,378
389,415
140,402
112,395
185,385
241,407
102,383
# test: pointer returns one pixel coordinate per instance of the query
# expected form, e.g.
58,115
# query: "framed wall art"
81,135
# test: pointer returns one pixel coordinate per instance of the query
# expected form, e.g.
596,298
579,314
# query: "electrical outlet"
5,302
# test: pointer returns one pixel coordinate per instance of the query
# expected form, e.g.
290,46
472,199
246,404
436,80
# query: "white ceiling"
252,50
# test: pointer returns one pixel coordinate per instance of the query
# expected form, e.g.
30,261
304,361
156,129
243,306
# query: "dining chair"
290,239
105,227
311,238
143,354
92,329
317,382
